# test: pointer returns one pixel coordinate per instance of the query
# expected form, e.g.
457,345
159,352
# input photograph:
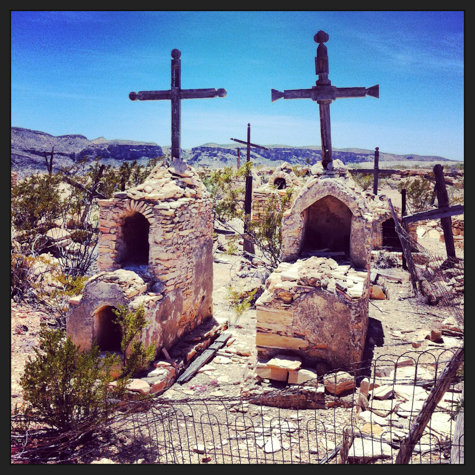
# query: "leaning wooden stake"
435,396
406,248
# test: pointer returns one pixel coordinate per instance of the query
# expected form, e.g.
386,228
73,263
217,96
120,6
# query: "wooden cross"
175,94
324,93
248,246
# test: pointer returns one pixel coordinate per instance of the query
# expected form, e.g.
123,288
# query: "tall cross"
324,93
175,94
248,246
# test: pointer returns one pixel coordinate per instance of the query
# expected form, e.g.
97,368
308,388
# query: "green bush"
420,192
20,276
135,356
66,388
36,201
365,180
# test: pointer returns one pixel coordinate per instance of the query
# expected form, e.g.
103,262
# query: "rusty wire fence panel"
235,431
250,430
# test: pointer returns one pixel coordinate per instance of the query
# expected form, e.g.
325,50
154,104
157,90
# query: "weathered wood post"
248,246
324,94
376,171
443,202
238,158
176,104
404,225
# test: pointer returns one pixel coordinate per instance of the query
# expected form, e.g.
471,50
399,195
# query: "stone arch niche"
280,183
107,333
327,226
327,213
390,239
134,246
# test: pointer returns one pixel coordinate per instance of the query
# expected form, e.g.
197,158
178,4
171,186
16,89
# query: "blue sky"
72,71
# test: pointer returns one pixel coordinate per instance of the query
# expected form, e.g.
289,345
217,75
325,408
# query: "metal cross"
175,94
248,246
324,93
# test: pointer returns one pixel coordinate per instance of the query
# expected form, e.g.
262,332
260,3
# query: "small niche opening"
135,230
328,226
108,334
280,183
390,237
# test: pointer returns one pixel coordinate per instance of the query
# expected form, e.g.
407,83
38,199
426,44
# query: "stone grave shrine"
279,181
155,248
313,314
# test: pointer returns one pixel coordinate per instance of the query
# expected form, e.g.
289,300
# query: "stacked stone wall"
177,293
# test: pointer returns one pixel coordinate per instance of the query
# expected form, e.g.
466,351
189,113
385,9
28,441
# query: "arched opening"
108,334
390,237
135,250
280,183
327,226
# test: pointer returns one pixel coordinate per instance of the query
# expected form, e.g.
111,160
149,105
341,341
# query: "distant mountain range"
28,148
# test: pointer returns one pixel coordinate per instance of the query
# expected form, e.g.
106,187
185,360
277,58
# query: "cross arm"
250,143
319,93
291,94
357,91
150,95
183,94
202,93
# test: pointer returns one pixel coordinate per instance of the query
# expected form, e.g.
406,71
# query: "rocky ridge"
29,146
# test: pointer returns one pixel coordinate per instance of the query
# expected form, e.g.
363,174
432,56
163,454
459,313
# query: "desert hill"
29,146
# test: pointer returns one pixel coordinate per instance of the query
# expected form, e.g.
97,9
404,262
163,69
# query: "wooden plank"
388,276
206,356
250,143
209,93
342,92
150,95
434,214
443,200
381,171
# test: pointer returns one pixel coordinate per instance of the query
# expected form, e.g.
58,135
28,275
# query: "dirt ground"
396,323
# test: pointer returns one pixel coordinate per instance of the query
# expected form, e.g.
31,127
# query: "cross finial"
321,37
176,53
321,61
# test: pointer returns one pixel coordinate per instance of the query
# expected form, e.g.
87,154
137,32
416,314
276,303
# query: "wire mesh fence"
359,419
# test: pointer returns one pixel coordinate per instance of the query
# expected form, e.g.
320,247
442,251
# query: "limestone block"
340,382
376,292
303,375
273,318
280,341
277,374
285,362
138,385
365,451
